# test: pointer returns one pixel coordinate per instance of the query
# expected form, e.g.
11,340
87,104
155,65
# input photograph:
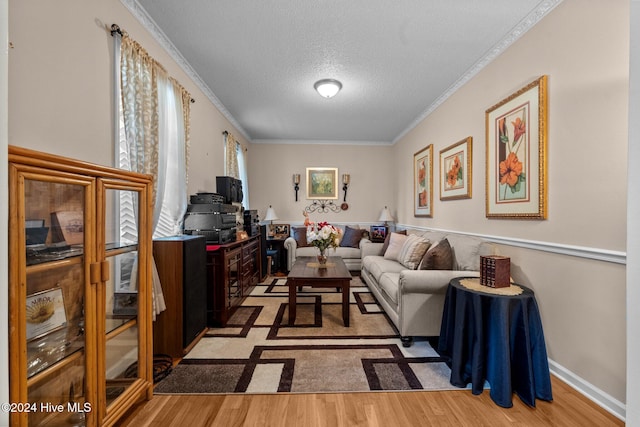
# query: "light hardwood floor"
378,409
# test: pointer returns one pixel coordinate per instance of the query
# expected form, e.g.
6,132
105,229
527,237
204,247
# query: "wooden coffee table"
305,272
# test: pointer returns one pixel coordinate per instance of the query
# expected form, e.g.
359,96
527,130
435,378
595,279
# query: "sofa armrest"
430,281
367,247
290,245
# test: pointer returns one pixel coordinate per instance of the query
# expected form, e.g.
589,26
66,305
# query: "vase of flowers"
323,236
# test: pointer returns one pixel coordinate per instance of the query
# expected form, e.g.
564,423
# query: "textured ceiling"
257,60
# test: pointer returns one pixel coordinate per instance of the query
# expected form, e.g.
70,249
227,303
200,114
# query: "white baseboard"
605,400
601,398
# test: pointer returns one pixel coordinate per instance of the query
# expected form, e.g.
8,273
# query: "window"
153,123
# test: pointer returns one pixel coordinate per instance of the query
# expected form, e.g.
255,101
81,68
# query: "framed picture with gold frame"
423,182
455,170
516,182
322,183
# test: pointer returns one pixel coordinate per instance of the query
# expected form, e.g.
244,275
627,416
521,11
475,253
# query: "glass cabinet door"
80,347
53,256
124,207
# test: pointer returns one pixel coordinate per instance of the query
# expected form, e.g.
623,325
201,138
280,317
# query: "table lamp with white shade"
385,216
270,216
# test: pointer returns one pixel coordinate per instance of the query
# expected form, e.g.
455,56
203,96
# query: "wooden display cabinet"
233,269
79,290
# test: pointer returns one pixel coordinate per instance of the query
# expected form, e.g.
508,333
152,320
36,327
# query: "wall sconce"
345,184
296,184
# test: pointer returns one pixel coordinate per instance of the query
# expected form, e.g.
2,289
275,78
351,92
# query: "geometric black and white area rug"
258,352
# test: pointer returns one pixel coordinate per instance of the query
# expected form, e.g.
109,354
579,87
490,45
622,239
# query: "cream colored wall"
584,48
60,102
60,85
272,167
4,214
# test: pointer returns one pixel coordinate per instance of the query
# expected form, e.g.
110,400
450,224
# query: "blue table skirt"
498,339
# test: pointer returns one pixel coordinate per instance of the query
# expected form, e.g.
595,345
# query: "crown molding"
522,27
150,25
320,142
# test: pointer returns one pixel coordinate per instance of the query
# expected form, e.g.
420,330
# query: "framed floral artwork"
423,182
516,182
455,170
322,183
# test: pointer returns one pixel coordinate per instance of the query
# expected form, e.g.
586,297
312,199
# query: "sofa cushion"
413,250
467,251
389,284
300,234
345,253
396,242
351,237
387,239
432,235
438,257
378,265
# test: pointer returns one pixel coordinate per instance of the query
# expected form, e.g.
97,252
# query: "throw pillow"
351,237
385,245
300,234
438,257
396,242
413,250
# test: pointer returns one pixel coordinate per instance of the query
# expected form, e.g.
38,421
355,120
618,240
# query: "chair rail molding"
606,255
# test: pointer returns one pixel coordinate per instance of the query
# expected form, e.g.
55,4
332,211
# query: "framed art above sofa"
455,170
516,183
322,183
423,182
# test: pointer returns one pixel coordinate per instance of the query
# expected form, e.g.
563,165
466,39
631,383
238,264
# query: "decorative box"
495,271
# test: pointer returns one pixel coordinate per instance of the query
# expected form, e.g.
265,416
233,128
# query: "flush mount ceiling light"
328,88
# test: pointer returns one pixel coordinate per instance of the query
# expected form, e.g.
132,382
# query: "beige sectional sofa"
351,254
413,298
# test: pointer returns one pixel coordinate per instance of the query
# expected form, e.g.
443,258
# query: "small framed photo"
280,231
322,183
378,233
423,182
126,272
455,170
125,303
45,313
67,227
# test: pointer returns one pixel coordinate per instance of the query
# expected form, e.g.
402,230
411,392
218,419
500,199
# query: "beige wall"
584,48
273,165
60,102
60,85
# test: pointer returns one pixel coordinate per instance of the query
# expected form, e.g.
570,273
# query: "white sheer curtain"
236,164
152,134
171,204
243,175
